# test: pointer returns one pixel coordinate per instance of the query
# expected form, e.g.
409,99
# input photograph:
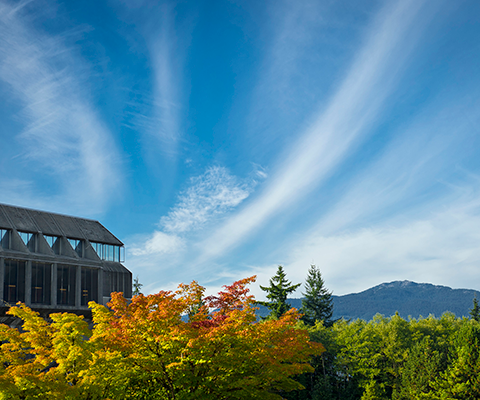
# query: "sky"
220,139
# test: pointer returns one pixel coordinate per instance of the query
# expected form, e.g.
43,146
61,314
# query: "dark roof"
33,221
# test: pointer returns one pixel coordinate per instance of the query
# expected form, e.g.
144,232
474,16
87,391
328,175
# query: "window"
77,246
89,285
108,252
114,281
28,239
14,281
66,276
5,238
53,242
41,283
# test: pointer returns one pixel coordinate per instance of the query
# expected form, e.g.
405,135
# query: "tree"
475,311
462,378
278,291
137,286
144,349
317,304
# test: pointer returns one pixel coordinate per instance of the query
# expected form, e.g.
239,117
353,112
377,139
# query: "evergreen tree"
137,286
318,303
278,291
475,311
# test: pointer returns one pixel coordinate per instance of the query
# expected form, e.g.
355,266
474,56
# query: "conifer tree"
475,311
278,291
318,303
137,286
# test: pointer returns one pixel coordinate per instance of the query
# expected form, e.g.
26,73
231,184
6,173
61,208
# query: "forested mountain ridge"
408,298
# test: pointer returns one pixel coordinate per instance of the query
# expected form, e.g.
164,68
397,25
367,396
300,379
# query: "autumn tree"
277,293
47,360
317,304
145,349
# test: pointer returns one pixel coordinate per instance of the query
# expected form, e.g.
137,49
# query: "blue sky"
218,139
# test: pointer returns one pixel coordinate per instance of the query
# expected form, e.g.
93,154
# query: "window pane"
53,242
14,281
66,275
28,239
41,283
77,246
89,285
4,238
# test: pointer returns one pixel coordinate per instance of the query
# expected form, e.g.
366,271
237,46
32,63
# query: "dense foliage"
146,349
392,358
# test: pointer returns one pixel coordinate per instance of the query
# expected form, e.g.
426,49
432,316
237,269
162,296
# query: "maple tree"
147,349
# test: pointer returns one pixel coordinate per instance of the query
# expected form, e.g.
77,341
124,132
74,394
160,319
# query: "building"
55,263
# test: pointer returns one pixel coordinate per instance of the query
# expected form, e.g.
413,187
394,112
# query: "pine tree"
137,286
278,291
475,311
318,303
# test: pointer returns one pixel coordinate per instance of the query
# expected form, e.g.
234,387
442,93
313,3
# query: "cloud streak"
337,130
213,193
208,197
441,248
63,136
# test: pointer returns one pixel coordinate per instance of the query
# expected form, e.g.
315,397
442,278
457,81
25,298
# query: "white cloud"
441,248
209,196
159,243
213,193
338,129
63,135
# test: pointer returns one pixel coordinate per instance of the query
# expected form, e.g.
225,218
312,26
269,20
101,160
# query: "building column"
28,283
2,277
53,297
100,286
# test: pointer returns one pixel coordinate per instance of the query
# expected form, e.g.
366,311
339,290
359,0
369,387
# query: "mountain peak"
407,297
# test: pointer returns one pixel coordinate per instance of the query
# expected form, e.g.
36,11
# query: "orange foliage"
165,345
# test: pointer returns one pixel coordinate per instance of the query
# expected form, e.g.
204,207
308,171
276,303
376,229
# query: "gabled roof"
34,221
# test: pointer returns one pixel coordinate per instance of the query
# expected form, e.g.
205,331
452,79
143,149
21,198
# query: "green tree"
475,311
137,286
426,361
277,293
462,378
317,304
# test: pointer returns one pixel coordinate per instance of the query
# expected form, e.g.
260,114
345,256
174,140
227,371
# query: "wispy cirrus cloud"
213,193
158,115
440,247
63,137
344,122
403,217
208,197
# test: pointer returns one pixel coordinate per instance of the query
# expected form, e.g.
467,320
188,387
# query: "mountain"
408,298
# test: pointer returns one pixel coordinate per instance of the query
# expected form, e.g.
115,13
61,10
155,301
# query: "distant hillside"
408,298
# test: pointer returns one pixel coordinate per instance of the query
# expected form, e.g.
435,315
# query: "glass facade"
46,274
77,246
53,242
5,238
108,252
66,278
14,281
89,285
28,239
41,283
